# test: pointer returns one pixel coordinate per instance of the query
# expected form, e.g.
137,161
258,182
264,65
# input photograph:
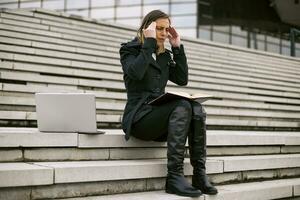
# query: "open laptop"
66,112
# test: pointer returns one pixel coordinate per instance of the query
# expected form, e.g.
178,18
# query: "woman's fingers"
152,25
150,31
174,37
173,32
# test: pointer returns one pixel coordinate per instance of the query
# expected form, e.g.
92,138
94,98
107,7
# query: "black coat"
146,78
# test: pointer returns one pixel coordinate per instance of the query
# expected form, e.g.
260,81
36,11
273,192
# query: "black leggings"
154,125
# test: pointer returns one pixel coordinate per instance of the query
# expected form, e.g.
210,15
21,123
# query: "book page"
190,96
170,96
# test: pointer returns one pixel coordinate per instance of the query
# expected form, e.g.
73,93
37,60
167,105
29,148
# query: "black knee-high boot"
179,122
197,148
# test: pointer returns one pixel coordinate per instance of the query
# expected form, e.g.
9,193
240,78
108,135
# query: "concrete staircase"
62,165
253,121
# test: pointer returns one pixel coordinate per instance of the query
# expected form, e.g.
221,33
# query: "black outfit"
145,79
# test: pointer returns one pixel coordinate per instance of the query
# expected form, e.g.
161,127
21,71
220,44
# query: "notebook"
66,112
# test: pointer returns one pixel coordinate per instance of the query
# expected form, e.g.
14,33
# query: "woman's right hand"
150,31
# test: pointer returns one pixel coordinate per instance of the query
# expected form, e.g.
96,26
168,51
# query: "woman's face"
162,30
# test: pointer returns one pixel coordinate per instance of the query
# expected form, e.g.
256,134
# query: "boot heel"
177,184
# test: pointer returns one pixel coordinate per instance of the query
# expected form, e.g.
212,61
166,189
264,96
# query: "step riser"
126,186
75,154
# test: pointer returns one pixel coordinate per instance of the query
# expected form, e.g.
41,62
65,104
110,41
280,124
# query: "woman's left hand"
174,37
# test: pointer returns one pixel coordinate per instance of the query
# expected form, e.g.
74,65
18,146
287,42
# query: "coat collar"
135,43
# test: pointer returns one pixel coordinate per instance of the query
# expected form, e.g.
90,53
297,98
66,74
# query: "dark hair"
148,19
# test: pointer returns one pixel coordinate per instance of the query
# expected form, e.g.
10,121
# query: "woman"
147,67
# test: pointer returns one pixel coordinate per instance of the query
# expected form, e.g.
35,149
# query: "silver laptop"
66,112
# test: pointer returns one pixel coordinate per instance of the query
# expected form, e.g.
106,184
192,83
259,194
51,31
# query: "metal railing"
294,33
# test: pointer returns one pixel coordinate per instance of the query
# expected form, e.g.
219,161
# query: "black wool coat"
146,77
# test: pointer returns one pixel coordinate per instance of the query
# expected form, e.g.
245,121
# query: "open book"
170,95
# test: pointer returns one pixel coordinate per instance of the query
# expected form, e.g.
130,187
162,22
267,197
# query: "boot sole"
212,193
209,193
183,194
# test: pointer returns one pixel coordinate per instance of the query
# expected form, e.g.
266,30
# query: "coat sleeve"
179,73
135,65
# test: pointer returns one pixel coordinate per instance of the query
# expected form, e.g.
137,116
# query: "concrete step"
25,174
230,99
71,21
107,104
84,21
232,52
42,146
89,171
254,64
64,24
276,76
191,58
116,101
249,167
113,84
68,190
44,52
31,137
194,70
264,190
210,77
114,121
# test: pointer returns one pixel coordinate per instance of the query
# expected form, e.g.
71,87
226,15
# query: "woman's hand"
174,37
150,31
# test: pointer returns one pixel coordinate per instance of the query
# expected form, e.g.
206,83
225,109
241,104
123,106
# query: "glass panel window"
260,36
101,3
126,2
221,37
261,45
297,52
71,4
132,22
239,41
221,29
285,42
54,5
84,13
129,11
285,50
8,5
188,8
238,31
271,47
273,39
30,4
185,1
205,34
155,1
189,32
162,7
184,21
102,13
